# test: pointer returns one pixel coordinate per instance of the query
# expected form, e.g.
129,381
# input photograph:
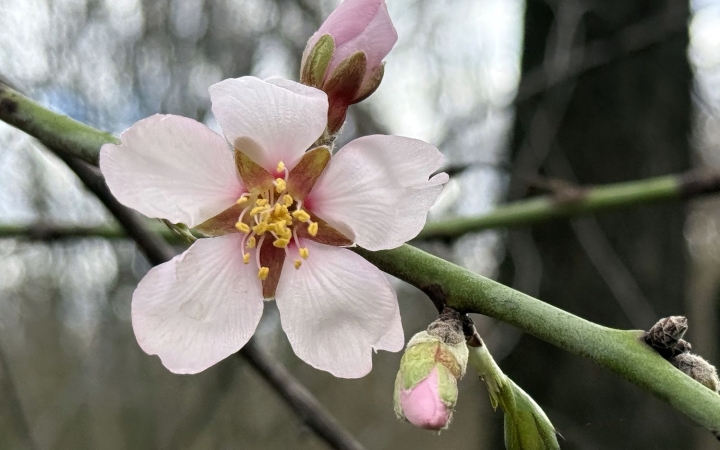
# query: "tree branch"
619,351
581,201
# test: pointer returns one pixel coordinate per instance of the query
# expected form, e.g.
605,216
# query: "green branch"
580,201
56,131
620,351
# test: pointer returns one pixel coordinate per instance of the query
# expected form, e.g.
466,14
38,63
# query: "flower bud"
698,369
666,336
426,385
344,57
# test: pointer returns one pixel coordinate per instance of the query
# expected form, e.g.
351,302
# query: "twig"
582,201
620,351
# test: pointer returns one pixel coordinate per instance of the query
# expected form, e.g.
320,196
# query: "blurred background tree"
605,96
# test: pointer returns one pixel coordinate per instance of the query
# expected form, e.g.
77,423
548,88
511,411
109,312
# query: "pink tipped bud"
422,406
344,57
426,385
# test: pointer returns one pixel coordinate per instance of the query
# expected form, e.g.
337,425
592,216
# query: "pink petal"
283,117
378,186
336,308
358,25
200,307
422,405
173,168
376,39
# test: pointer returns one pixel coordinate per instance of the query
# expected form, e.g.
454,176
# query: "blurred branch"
581,201
45,232
295,394
601,52
619,351
87,146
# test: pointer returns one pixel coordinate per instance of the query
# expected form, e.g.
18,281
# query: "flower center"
272,214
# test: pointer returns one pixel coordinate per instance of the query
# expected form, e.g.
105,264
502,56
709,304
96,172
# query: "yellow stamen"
304,252
301,215
298,263
260,228
278,211
263,273
261,202
279,226
281,167
251,242
281,243
242,200
280,185
246,258
258,209
313,228
287,200
242,227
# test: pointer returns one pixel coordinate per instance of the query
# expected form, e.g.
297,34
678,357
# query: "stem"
620,351
56,131
586,201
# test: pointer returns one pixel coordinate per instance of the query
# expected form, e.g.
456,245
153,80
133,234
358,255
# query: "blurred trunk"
627,119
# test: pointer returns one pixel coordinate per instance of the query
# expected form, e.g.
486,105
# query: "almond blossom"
279,216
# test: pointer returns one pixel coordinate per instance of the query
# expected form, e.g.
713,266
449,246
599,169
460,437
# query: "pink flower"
280,216
422,405
345,56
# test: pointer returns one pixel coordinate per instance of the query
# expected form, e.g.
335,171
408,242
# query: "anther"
242,227
263,273
261,202
246,258
297,263
313,228
242,200
260,228
280,185
301,215
258,209
304,252
281,167
251,242
281,243
287,200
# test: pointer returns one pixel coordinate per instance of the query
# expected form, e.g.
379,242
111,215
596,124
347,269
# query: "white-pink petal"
380,187
283,117
200,307
172,167
336,308
422,405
